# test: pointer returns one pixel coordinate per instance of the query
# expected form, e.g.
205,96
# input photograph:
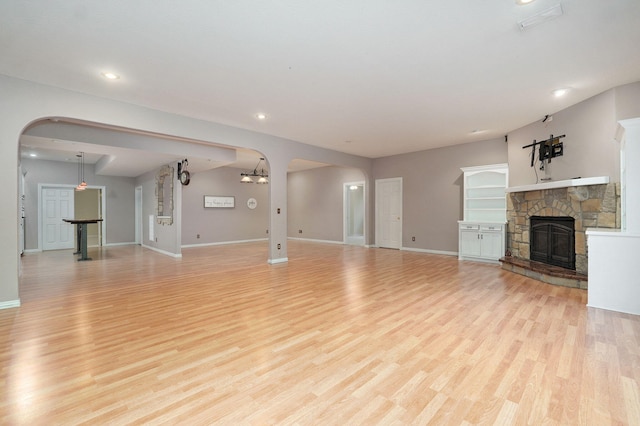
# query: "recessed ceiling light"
523,2
558,93
110,75
261,116
33,154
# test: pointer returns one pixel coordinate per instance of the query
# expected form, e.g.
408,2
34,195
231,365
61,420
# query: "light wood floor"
339,335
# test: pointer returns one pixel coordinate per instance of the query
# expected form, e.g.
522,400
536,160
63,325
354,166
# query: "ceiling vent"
540,17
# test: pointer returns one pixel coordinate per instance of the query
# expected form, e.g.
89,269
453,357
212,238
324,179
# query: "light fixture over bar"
82,185
262,175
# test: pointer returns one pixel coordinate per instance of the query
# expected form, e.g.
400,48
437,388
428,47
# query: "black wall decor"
547,149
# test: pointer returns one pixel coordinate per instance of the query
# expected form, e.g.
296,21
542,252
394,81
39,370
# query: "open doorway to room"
323,208
354,218
88,205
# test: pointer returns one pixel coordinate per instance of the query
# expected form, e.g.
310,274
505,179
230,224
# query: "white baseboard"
280,260
176,255
133,243
311,240
10,304
32,251
418,250
222,243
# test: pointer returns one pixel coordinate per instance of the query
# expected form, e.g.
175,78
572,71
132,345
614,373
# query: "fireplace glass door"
553,241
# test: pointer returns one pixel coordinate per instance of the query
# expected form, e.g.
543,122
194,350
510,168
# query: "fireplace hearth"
589,206
553,240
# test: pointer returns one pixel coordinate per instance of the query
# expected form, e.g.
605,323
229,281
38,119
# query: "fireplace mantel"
599,180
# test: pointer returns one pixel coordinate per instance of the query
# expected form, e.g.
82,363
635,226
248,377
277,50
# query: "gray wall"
23,102
589,148
627,101
166,237
315,202
119,203
432,189
216,225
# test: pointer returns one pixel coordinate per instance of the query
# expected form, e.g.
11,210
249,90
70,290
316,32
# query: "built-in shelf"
599,180
481,235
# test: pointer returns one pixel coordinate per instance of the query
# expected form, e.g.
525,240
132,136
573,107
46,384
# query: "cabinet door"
491,243
469,243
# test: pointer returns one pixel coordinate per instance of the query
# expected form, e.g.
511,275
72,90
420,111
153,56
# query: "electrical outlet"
413,238
267,231
299,231
279,246
198,236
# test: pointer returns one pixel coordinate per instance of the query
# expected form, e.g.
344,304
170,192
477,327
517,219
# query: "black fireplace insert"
552,240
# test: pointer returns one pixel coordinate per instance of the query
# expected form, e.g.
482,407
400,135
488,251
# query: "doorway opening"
354,218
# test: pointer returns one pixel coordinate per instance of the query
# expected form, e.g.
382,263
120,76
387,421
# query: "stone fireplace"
589,205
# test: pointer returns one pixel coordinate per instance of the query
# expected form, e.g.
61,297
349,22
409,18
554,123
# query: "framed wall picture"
218,201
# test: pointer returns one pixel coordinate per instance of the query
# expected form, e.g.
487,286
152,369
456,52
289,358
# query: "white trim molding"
10,304
223,243
176,255
311,240
599,180
419,250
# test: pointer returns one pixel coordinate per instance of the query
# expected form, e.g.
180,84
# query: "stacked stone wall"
592,206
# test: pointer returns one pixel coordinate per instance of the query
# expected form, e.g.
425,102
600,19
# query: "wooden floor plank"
338,335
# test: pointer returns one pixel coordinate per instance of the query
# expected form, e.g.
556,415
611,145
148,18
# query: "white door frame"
346,212
377,210
103,206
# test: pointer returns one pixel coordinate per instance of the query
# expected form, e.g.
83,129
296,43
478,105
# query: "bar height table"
81,225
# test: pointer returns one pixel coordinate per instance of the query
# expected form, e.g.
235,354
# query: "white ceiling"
372,78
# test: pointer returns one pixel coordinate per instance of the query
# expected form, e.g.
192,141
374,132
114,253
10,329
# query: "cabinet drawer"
495,228
469,227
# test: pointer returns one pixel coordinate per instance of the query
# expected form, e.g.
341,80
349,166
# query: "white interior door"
389,213
57,204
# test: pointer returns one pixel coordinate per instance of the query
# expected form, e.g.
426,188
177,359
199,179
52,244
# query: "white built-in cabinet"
482,233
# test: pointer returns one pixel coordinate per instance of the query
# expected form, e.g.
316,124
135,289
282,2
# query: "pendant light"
262,175
82,185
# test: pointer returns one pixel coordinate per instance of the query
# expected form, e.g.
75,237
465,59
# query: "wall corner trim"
10,304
